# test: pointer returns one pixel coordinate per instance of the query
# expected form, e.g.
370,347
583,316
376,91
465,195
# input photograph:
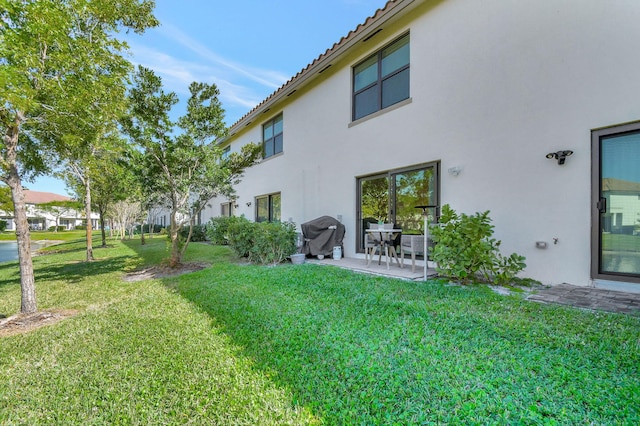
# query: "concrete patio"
394,271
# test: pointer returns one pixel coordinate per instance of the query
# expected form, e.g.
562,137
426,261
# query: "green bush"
81,228
197,235
273,242
465,249
148,228
265,243
60,228
3,225
240,236
218,229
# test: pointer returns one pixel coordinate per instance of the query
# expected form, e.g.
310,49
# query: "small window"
272,137
226,209
382,79
226,152
268,208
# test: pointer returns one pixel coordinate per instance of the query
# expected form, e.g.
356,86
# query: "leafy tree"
59,58
125,214
177,159
104,177
6,203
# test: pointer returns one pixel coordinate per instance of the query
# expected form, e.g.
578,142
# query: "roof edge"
360,33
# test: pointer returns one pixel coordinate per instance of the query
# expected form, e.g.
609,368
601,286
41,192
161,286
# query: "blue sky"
248,48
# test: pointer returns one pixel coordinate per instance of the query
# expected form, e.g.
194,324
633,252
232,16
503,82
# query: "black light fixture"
561,156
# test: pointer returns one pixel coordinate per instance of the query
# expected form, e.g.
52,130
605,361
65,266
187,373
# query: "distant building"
40,219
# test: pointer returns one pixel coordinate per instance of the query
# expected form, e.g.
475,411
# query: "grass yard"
49,235
302,344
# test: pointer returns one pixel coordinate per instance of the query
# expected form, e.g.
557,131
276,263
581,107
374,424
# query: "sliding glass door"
616,186
392,197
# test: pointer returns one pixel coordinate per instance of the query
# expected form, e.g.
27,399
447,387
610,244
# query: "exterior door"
616,199
392,197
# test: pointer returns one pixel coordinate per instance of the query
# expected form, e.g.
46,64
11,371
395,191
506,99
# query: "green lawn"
300,344
48,235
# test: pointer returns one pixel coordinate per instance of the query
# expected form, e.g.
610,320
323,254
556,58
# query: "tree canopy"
179,159
62,68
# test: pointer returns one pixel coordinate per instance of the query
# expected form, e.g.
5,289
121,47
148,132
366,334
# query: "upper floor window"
226,152
272,137
382,79
268,208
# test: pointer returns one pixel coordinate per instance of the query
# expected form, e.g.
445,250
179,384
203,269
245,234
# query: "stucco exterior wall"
495,86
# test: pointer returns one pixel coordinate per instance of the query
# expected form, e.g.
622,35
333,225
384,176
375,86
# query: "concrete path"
589,298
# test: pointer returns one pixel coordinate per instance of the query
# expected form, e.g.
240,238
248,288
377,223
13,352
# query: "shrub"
273,242
3,225
240,236
266,243
60,228
218,229
197,235
148,228
464,249
80,228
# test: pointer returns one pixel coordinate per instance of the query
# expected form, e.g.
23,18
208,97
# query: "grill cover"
321,235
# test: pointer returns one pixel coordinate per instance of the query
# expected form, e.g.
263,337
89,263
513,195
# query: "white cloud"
240,86
268,78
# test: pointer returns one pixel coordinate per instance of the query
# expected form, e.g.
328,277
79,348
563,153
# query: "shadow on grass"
71,272
78,271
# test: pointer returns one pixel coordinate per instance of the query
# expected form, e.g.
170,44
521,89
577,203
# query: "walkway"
589,298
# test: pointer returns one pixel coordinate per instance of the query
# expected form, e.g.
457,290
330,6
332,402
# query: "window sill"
280,154
379,113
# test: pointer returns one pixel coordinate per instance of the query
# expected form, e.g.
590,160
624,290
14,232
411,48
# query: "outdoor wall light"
249,204
454,171
561,156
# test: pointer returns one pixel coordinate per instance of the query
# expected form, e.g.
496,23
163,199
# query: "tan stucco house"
523,108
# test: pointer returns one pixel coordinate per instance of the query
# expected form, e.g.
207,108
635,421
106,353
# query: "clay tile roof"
391,4
38,197
611,184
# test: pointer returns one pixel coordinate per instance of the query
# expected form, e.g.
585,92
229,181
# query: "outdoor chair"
411,244
379,242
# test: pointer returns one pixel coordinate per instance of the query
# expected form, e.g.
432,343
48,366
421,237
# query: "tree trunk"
176,257
87,208
186,243
142,241
103,232
12,179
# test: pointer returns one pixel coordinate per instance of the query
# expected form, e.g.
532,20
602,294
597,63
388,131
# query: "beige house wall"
495,86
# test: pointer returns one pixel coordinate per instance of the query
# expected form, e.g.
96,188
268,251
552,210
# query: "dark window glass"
262,209
382,79
366,102
395,88
268,208
395,56
365,74
272,138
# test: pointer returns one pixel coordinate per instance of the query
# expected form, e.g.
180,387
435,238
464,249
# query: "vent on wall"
370,36
324,69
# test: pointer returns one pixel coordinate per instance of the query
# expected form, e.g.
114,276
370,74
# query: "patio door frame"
597,203
391,205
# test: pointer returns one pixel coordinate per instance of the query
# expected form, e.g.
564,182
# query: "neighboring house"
623,206
40,219
464,102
